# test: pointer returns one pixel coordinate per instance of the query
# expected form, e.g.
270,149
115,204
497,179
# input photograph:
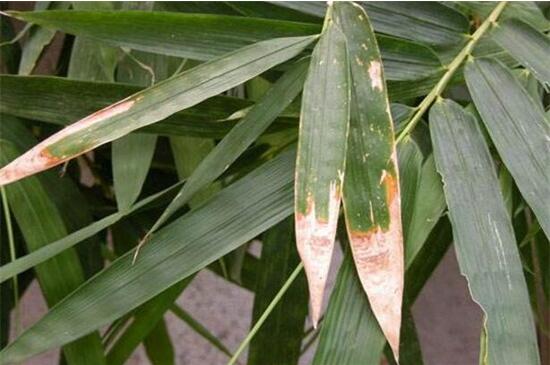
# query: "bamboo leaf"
195,36
154,104
530,47
483,234
372,199
321,158
519,129
61,101
158,346
180,249
40,222
198,37
38,39
240,137
431,23
277,262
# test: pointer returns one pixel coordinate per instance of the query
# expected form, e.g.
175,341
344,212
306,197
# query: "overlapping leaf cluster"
195,128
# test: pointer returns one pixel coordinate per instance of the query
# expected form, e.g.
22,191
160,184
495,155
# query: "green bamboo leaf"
429,205
527,11
92,60
154,104
195,36
38,39
10,52
406,60
321,158
483,234
61,101
199,328
278,260
527,45
54,248
280,95
158,347
41,222
145,319
372,199
430,23
519,129
180,249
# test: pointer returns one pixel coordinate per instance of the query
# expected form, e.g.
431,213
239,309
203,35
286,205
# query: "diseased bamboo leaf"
372,199
61,101
278,260
519,129
483,234
180,249
321,158
41,222
154,104
527,45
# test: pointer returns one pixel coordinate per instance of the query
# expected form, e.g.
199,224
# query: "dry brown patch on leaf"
39,157
315,241
378,256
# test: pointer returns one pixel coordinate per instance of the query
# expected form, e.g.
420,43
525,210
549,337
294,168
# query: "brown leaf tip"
315,242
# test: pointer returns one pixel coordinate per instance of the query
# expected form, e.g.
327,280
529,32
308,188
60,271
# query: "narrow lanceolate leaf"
38,39
372,199
483,235
154,104
321,158
527,45
195,36
177,251
519,129
41,222
278,260
257,120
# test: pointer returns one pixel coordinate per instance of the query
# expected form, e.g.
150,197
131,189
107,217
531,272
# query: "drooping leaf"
321,158
527,45
519,129
10,53
483,234
41,222
154,104
372,198
180,249
350,334
278,260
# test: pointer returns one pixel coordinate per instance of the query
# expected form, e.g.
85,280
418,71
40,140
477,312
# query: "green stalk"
451,69
11,242
266,313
